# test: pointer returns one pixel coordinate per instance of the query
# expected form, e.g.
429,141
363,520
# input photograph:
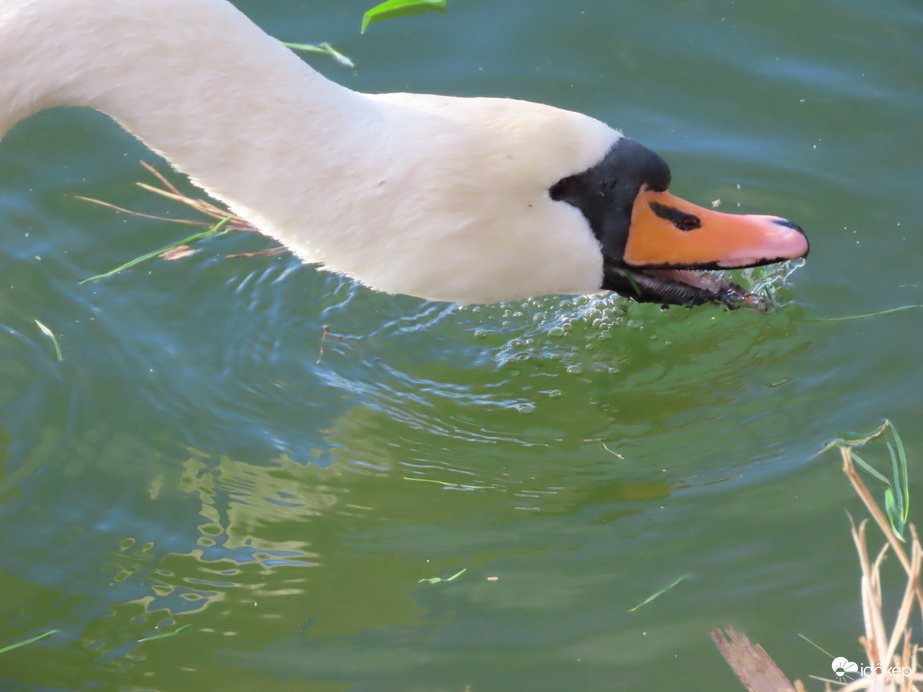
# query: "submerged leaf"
392,9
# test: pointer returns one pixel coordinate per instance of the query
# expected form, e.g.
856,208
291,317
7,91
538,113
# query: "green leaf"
894,517
846,318
392,9
897,489
27,641
631,280
661,592
845,439
217,229
164,635
865,466
896,486
438,580
902,458
50,334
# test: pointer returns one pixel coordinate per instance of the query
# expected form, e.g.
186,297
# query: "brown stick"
750,663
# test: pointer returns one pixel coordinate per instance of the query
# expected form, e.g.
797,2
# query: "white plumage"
438,197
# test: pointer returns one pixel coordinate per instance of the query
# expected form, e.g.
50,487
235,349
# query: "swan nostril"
680,219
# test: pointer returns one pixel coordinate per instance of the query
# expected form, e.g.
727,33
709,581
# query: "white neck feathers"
408,193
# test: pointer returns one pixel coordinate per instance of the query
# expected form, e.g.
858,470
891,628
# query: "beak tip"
795,245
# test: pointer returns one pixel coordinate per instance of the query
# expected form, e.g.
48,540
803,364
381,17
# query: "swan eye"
564,188
608,186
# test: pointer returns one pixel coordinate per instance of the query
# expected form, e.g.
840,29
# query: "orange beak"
667,231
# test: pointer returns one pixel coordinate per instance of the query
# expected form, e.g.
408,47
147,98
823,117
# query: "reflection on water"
298,549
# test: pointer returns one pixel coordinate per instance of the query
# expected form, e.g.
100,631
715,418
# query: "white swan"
470,200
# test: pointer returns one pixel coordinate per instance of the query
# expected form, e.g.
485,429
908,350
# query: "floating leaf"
50,334
845,439
661,592
847,318
217,229
392,9
27,641
438,580
164,635
446,484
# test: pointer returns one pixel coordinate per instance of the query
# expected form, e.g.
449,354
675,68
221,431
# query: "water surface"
190,464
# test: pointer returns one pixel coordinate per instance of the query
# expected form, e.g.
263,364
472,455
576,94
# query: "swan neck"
196,80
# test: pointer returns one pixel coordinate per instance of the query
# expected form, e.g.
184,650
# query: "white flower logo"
841,666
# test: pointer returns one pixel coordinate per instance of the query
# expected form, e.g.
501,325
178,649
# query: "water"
190,464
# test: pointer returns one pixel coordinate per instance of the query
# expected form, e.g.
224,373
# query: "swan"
475,200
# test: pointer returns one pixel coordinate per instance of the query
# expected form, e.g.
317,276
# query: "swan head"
657,247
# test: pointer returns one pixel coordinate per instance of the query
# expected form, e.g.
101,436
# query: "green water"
190,464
